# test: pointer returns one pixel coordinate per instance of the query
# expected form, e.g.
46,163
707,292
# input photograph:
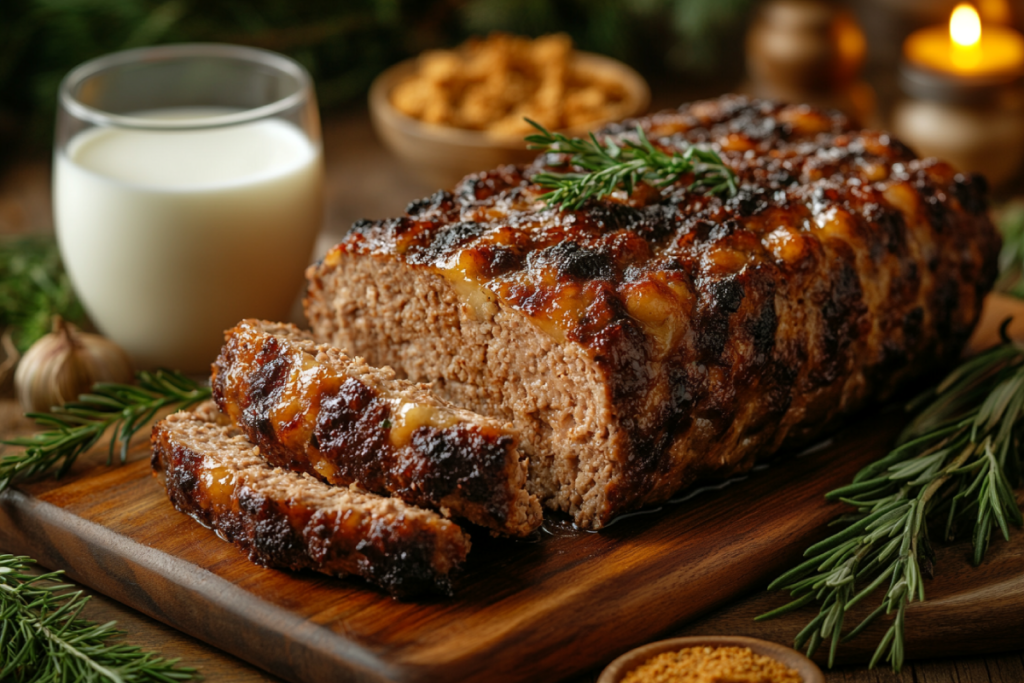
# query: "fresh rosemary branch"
75,427
42,637
612,166
955,467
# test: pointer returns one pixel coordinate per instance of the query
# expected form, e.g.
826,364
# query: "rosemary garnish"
955,467
611,166
42,637
75,427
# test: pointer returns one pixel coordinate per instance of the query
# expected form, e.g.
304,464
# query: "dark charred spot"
351,434
748,202
905,284
362,226
719,300
972,191
446,240
898,149
441,201
841,312
609,216
890,225
761,329
498,259
701,230
938,215
752,120
570,260
461,459
722,230
396,226
273,538
268,377
727,294
406,574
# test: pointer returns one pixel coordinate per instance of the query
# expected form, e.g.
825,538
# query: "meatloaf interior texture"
649,339
313,409
292,521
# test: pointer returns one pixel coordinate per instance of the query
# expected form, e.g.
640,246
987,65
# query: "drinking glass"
187,193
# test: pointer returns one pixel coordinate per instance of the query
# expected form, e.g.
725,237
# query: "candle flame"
965,26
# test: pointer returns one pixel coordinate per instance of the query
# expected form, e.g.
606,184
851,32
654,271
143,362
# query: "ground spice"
712,665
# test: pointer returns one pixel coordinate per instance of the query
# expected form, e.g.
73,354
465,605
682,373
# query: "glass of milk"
187,194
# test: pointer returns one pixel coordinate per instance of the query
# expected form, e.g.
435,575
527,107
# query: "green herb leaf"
42,637
962,446
76,427
33,289
609,167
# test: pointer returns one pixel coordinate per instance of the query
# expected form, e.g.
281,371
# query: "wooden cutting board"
525,610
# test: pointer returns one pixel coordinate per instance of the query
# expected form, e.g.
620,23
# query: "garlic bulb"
65,363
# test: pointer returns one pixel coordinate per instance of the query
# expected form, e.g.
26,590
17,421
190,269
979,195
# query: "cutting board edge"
131,573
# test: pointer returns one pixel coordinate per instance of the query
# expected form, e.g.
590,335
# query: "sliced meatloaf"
649,339
293,521
313,409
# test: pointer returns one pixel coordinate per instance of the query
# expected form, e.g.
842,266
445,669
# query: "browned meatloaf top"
843,265
631,277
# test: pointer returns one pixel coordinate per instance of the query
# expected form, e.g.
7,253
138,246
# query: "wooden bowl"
617,670
442,155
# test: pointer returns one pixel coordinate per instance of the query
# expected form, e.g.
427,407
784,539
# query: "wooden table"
364,181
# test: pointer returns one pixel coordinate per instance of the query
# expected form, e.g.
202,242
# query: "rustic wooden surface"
525,611
363,181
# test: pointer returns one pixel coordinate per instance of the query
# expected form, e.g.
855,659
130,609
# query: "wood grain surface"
563,602
554,606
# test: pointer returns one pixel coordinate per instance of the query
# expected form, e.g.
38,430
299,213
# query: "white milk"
171,237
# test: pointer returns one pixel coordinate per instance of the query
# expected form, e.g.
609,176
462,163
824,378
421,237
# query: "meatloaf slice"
313,409
649,339
293,521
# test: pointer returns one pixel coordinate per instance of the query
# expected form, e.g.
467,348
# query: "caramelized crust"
312,409
292,521
718,330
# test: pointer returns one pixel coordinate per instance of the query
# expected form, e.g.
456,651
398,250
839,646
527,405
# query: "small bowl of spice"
712,659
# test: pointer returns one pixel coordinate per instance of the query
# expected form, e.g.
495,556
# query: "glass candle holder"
187,194
976,124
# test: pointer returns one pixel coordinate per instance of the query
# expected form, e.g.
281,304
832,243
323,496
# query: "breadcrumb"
712,665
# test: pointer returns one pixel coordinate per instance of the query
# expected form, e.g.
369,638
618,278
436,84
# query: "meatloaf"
313,409
651,338
293,521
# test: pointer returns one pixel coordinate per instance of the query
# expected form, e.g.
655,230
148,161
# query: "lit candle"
966,48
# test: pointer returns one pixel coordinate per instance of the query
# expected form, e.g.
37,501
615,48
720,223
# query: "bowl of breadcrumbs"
448,113
713,659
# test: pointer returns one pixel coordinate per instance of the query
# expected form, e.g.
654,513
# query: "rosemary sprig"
76,427
955,466
42,637
611,166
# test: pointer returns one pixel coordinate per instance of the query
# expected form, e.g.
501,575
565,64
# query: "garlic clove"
65,363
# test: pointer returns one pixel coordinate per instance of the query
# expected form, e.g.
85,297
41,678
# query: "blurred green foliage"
33,289
1011,259
343,44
